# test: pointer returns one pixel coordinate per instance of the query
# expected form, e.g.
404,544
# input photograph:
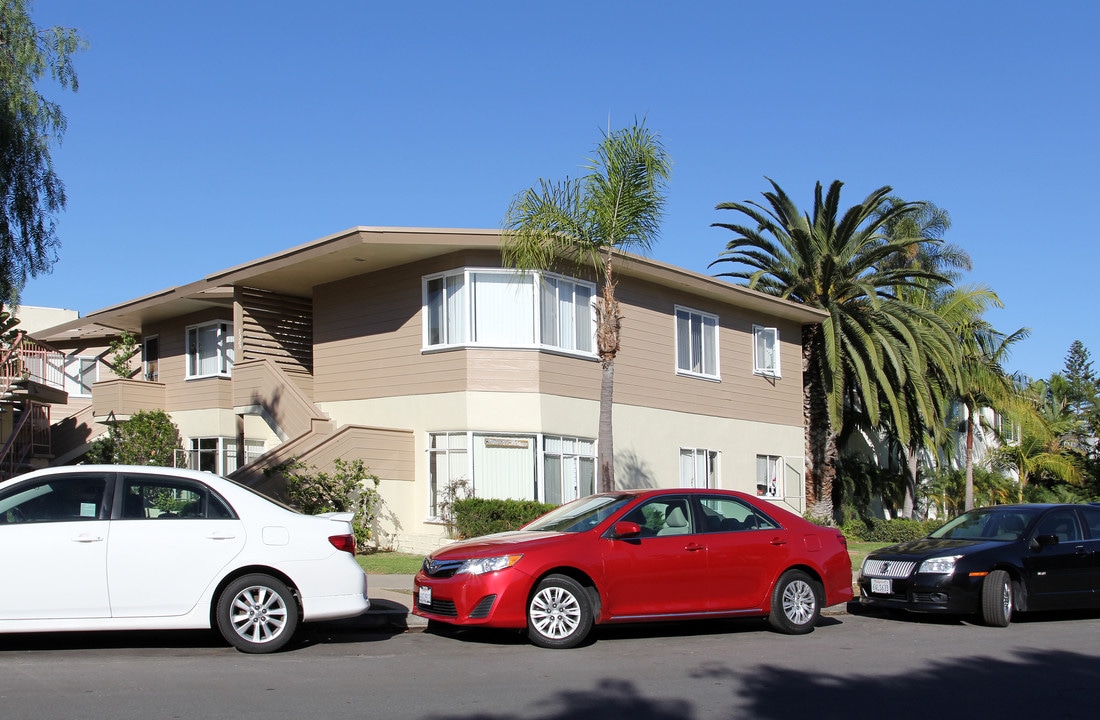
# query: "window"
209,350
58,498
509,466
666,515
566,311
218,455
569,468
765,350
696,343
500,308
149,497
80,373
698,468
769,476
448,468
731,515
151,358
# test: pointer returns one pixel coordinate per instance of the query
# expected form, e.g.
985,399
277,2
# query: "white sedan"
113,547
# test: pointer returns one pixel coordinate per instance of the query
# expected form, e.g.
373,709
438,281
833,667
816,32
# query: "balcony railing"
27,359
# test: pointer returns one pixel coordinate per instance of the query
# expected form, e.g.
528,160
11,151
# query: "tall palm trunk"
821,449
969,499
608,322
909,504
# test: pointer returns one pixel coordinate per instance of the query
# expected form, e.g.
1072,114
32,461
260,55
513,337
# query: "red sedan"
637,556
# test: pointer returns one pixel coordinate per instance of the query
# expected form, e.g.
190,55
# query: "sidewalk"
391,598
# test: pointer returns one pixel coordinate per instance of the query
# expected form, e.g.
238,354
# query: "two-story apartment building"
414,350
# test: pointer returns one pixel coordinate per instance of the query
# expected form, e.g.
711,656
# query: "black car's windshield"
580,515
997,523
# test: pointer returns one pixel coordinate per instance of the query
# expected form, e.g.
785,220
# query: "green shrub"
887,531
475,516
351,487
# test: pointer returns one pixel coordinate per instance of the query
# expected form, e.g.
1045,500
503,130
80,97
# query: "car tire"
257,613
796,603
998,599
559,613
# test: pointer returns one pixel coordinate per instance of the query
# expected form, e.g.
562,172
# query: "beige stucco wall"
647,441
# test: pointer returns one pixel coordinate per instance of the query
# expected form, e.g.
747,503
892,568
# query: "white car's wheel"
257,614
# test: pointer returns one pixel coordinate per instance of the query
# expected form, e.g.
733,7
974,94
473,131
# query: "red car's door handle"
779,541
695,546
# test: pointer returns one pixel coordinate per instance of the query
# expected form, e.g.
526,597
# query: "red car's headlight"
478,566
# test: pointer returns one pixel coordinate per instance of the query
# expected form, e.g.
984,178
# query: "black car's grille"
445,608
888,568
481,610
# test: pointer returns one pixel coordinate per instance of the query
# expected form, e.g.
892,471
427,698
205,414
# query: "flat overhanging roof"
360,250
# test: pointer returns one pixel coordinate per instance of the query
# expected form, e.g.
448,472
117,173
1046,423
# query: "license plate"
424,596
879,586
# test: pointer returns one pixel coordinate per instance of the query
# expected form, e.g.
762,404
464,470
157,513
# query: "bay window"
501,308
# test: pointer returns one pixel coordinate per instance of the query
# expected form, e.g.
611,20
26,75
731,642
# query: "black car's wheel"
257,614
796,603
559,614
998,599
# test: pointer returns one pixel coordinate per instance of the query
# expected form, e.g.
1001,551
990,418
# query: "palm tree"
982,381
926,418
873,343
616,207
1043,424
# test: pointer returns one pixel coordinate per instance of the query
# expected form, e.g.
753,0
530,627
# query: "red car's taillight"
843,540
343,542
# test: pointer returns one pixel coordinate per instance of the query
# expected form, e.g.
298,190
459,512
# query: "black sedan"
992,562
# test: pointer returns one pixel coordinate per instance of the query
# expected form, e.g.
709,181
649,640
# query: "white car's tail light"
345,543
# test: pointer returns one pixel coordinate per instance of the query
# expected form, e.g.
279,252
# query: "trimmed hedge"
480,516
890,531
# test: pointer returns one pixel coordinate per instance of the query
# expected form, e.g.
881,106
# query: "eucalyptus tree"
31,193
873,343
617,206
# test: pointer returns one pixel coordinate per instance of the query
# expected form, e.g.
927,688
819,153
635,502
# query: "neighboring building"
415,351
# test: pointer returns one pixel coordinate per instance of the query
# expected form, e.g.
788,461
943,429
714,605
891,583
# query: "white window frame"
708,328
770,478
574,454
74,382
435,487
450,317
224,347
696,462
760,334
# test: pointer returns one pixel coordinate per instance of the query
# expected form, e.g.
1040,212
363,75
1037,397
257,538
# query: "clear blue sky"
209,133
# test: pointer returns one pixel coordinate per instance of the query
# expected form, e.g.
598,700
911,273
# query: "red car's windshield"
580,515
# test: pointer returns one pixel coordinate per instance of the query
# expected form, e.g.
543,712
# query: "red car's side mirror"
624,530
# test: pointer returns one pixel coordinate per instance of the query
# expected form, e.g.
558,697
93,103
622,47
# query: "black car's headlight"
939,565
479,566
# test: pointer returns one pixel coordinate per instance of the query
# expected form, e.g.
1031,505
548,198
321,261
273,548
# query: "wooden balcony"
118,399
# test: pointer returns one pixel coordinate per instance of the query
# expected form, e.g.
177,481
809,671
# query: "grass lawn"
389,563
395,563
